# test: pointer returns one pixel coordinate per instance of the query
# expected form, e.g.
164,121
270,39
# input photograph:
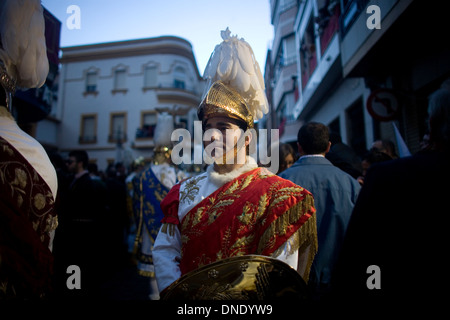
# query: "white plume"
163,130
23,49
234,63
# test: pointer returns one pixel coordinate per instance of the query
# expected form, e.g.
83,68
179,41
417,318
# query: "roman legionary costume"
149,188
249,211
28,182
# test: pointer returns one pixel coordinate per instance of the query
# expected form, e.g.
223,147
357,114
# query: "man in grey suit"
335,193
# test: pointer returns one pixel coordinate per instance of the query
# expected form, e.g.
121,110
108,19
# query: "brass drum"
249,277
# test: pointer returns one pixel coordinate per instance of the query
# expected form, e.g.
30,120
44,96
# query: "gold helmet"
222,99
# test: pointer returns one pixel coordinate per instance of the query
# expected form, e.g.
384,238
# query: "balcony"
146,132
115,138
85,139
317,80
144,137
175,92
357,40
328,26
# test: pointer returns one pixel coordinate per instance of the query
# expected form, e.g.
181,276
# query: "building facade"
281,69
363,69
110,95
325,95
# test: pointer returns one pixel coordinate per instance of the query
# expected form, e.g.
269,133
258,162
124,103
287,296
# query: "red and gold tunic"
256,213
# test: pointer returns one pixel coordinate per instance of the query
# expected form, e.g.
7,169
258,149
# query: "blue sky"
198,21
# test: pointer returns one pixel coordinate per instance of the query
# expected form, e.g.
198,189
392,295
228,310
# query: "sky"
198,21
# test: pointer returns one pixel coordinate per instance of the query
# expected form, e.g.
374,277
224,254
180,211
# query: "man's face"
221,137
72,164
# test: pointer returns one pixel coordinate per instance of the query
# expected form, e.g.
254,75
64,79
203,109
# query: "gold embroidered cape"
255,213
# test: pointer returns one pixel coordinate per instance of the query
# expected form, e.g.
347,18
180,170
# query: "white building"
110,95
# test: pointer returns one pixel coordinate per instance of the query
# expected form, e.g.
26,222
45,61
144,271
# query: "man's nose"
216,135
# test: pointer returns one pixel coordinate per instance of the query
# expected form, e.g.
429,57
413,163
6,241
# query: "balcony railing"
174,85
329,29
146,132
87,139
116,138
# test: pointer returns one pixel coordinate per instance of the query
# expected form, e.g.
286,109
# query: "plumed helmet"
234,82
23,50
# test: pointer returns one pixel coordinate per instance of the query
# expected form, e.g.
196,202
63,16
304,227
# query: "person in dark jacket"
78,239
335,193
394,250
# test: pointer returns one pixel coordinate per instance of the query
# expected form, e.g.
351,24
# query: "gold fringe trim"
168,228
308,240
280,225
148,274
304,237
138,238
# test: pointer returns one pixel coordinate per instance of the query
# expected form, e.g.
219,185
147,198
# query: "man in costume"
149,188
234,208
28,182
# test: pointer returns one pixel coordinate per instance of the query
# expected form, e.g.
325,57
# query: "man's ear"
248,138
300,149
328,148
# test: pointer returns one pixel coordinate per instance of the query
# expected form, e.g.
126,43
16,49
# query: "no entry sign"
383,105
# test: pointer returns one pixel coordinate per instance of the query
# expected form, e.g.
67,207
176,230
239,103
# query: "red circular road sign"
383,105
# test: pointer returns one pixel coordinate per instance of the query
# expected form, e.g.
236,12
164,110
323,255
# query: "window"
91,82
356,131
308,55
327,21
335,126
181,121
150,76
148,124
119,79
179,78
117,127
279,62
88,129
290,51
